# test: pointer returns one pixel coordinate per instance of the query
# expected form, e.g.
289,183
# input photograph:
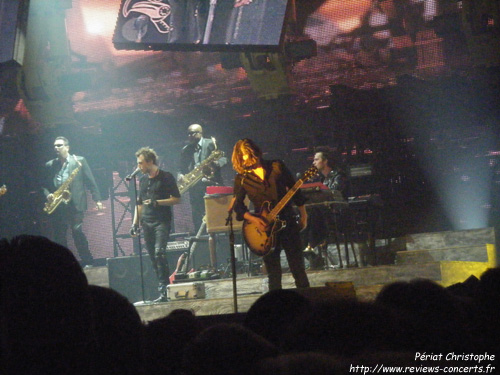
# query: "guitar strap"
275,172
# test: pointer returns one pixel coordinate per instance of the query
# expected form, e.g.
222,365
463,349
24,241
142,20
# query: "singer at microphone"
133,174
158,192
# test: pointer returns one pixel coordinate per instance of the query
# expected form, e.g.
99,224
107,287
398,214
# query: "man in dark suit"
57,171
195,152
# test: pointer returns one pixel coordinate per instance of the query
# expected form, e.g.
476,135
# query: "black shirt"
162,186
277,180
336,179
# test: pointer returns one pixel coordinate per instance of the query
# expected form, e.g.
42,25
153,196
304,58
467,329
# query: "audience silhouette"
225,349
433,318
119,333
275,313
46,309
345,328
53,322
166,339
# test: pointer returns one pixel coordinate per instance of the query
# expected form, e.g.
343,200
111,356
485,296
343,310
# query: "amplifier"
171,245
360,170
177,245
125,277
216,209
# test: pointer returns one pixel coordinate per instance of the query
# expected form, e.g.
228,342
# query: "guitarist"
268,181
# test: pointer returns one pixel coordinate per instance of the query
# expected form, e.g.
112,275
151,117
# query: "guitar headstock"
311,172
3,189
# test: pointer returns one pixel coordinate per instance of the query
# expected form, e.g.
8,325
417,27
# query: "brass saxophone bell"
208,171
66,196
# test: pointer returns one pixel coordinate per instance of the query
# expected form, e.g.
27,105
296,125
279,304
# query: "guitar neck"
282,203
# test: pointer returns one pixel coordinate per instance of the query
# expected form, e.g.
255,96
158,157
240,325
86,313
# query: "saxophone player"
195,152
57,172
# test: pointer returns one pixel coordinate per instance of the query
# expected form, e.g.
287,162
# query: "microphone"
133,174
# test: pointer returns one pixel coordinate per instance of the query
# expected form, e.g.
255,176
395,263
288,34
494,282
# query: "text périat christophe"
454,357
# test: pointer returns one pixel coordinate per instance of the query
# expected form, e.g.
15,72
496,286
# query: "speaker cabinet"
216,209
125,277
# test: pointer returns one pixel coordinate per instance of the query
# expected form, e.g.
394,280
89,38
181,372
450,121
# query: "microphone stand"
138,239
229,221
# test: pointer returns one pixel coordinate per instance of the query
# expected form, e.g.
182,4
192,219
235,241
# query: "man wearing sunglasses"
195,152
57,171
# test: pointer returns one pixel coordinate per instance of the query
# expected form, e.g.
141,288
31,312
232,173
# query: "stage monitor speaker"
216,208
125,278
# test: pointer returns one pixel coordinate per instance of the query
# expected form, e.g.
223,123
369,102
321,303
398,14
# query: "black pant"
156,235
67,215
289,240
197,200
317,226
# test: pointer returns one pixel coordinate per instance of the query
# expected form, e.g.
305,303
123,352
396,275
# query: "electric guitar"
262,242
3,190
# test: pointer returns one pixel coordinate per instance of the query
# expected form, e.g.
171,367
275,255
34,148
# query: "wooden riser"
220,306
466,254
367,283
444,257
450,239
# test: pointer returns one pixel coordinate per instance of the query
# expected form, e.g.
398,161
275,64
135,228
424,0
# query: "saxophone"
204,169
62,194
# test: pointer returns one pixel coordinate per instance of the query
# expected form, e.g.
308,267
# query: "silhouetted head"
272,314
225,349
45,305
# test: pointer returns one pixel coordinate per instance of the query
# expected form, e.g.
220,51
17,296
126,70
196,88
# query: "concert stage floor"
444,257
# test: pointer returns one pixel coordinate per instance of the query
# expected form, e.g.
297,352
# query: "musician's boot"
317,262
321,262
162,273
309,251
162,290
82,245
310,255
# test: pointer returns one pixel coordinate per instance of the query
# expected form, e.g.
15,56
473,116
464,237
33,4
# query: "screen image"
200,25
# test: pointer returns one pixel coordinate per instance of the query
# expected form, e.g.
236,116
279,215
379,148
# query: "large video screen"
201,25
361,44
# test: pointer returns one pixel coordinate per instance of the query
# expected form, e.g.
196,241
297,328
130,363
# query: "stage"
445,257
